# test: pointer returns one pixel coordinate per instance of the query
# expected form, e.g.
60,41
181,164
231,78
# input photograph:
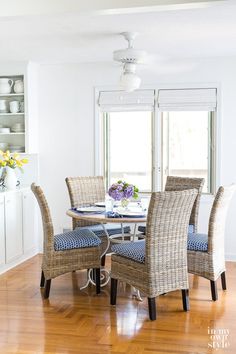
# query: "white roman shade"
116,101
187,99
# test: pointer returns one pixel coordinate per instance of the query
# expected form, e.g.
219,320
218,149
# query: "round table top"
103,219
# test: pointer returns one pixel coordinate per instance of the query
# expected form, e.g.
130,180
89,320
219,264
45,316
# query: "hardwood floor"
74,321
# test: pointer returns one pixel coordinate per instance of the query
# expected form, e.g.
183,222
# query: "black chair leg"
98,280
47,288
42,281
214,293
113,291
103,260
152,308
185,299
223,281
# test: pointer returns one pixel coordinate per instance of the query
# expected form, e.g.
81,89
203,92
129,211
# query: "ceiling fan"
131,58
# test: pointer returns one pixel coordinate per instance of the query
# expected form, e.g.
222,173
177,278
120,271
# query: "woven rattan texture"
211,264
54,262
183,183
85,191
165,267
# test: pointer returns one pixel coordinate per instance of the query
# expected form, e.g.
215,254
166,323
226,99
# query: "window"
128,148
188,146
182,143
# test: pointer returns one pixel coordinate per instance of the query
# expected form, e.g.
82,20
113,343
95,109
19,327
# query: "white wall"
66,127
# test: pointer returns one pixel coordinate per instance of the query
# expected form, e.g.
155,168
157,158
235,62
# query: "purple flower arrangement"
122,189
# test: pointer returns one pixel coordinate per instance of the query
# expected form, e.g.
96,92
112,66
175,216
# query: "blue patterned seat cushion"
132,250
112,229
197,242
136,250
142,228
75,239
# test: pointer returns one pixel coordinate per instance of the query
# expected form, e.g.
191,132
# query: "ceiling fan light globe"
130,82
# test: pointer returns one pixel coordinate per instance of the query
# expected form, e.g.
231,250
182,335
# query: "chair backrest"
48,243
183,183
85,191
217,218
166,231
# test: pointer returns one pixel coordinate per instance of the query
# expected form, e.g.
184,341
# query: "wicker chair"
66,252
183,183
206,252
86,191
158,264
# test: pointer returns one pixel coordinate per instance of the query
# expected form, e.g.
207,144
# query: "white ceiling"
203,32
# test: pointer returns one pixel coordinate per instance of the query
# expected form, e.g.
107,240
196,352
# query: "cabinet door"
2,230
13,214
28,221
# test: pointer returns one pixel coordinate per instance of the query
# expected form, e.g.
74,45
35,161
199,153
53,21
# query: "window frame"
157,153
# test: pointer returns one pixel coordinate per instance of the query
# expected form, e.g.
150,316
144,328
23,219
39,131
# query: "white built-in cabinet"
13,226
2,231
29,225
18,236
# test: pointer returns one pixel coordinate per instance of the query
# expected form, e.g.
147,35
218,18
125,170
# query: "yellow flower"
11,160
19,163
6,155
24,160
16,155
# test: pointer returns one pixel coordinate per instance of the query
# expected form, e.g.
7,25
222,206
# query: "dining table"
103,218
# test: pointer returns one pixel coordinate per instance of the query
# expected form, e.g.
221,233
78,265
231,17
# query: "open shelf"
11,94
9,119
12,114
12,133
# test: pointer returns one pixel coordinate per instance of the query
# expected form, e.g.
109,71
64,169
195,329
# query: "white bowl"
4,130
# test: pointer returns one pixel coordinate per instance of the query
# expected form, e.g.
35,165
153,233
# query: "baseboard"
230,257
5,267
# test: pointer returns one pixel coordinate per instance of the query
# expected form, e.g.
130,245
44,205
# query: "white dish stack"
18,128
16,148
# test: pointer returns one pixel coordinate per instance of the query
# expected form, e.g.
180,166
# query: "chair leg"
103,260
223,281
47,288
42,281
214,293
185,299
93,274
97,279
113,291
152,308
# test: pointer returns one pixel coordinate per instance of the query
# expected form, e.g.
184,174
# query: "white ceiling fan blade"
162,67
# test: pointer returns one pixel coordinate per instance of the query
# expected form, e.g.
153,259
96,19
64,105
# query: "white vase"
5,85
10,180
19,86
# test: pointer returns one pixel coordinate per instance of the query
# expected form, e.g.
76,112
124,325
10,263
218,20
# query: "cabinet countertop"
18,189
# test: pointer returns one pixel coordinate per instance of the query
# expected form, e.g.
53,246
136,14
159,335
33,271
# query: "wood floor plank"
74,321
